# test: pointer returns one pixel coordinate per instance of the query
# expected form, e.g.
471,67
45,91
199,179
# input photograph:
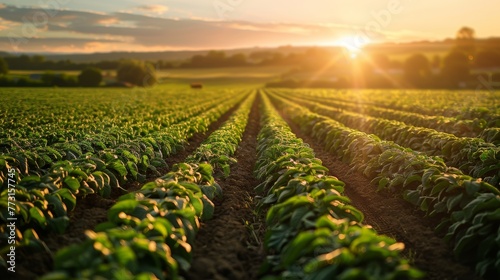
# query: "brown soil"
225,247
89,212
389,214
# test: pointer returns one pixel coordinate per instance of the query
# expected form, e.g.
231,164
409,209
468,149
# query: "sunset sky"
133,25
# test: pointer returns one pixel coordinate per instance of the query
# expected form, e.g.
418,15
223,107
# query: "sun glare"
352,44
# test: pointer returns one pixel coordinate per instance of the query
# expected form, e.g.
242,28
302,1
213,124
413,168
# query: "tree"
417,70
465,41
138,73
381,61
215,59
456,68
38,59
58,79
236,60
4,67
495,78
436,62
261,55
90,77
487,59
466,33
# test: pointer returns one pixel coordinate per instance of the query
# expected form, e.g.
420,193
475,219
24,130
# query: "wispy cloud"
275,27
132,31
155,9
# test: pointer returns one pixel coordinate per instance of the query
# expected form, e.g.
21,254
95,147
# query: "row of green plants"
471,155
129,143
313,232
458,127
42,124
471,226
150,147
43,202
224,141
491,135
458,104
150,232
27,113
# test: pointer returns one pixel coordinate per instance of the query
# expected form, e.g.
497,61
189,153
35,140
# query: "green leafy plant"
148,232
425,181
301,196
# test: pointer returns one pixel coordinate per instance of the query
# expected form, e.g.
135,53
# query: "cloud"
410,35
136,31
274,27
43,17
49,44
155,9
108,21
7,24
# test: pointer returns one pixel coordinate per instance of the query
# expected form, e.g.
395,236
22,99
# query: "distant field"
226,72
209,76
223,76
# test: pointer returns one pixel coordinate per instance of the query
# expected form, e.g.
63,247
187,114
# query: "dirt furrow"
225,246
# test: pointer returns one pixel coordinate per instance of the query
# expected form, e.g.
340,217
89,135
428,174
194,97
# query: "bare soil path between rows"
389,214
91,211
225,247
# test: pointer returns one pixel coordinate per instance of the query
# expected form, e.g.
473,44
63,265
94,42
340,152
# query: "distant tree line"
456,66
38,62
372,69
89,77
128,73
4,67
214,59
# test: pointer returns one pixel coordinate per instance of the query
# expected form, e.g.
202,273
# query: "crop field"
246,183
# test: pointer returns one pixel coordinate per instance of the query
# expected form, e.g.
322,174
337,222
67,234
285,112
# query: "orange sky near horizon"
156,25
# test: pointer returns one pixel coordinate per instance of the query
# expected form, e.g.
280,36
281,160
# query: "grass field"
232,76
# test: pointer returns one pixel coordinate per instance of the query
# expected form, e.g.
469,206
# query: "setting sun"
353,44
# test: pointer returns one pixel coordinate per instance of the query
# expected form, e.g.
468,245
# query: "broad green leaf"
59,224
37,215
126,257
72,183
68,198
126,206
118,166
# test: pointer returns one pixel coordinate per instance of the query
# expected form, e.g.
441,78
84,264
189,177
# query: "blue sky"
133,25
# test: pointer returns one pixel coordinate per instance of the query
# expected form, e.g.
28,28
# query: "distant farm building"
196,85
